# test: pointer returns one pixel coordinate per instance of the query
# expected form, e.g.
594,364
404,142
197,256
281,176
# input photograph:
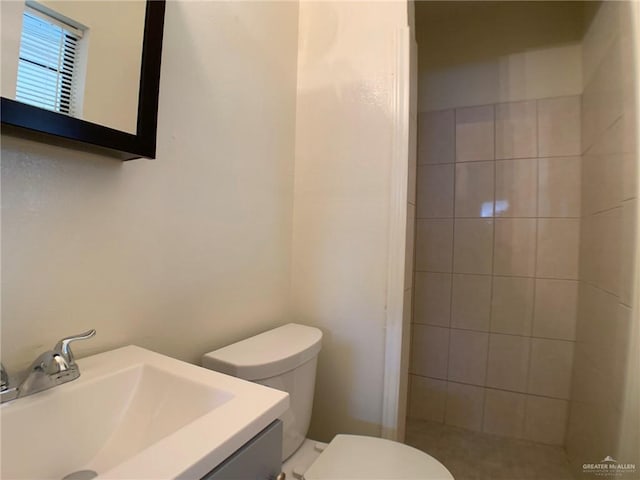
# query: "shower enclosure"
523,309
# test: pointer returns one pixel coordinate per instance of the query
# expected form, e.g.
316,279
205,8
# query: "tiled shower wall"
609,201
496,269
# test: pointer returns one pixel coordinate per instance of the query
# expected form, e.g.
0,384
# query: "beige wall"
477,53
183,254
601,423
344,129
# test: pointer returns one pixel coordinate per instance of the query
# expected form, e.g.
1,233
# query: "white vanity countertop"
136,414
198,447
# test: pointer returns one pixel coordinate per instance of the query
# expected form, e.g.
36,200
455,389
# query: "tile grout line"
535,275
522,218
503,333
493,254
509,102
502,275
414,272
535,278
510,159
493,388
453,243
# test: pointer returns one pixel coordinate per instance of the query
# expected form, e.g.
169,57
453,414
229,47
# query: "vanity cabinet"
258,459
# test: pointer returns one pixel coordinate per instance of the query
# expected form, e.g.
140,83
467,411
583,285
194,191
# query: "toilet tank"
284,358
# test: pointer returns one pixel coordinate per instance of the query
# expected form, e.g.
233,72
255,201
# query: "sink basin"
134,414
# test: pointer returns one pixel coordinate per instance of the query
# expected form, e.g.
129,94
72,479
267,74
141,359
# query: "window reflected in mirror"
51,64
78,58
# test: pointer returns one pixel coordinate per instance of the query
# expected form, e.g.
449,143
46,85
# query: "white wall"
344,131
479,53
183,254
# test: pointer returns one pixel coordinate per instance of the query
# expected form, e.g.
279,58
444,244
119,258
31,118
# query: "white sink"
134,414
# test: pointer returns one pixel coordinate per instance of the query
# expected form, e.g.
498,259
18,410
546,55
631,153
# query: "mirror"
85,71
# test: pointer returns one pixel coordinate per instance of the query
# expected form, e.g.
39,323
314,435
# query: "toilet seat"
356,457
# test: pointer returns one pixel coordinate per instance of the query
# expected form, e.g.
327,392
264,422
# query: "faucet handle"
62,347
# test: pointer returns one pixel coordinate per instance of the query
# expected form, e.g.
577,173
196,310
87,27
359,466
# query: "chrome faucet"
51,368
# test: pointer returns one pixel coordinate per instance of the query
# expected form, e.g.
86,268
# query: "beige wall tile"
429,351
471,303
492,286
588,378
436,137
629,176
559,127
508,362
623,367
468,356
409,246
504,413
605,267
474,133
516,188
556,309
603,181
599,38
559,187
589,124
512,305
473,248
603,98
435,191
427,398
474,189
627,250
607,176
589,432
558,244
516,130
464,406
596,308
515,246
412,179
629,163
545,420
434,242
595,174
602,361
432,304
550,370
589,257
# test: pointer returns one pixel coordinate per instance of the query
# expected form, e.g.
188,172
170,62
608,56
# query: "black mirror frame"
53,127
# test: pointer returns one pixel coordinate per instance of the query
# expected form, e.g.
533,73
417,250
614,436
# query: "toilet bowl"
285,358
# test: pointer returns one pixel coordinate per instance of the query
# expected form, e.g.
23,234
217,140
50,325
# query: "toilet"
285,358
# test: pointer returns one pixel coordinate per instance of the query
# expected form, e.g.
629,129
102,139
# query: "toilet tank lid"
268,354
